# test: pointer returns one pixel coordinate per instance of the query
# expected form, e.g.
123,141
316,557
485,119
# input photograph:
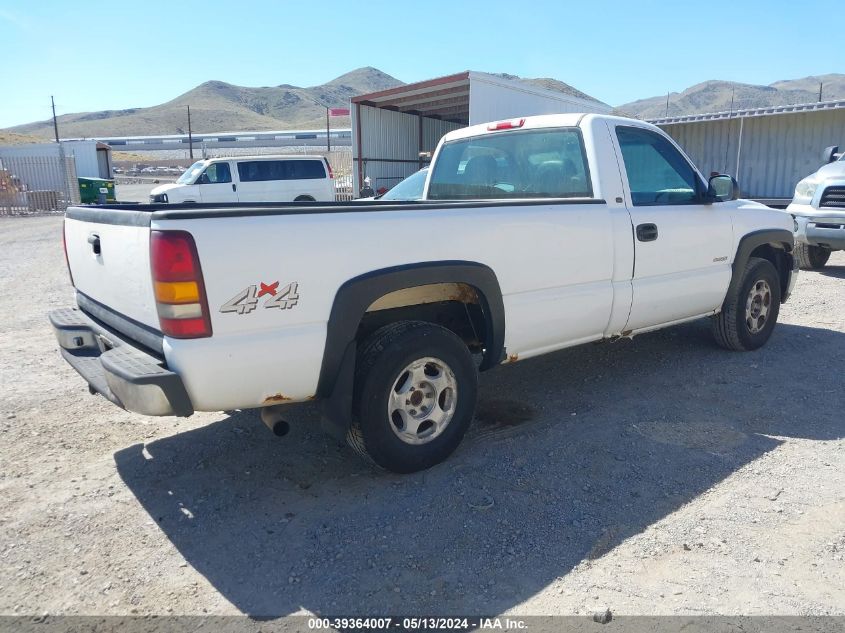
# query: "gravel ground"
655,476
137,192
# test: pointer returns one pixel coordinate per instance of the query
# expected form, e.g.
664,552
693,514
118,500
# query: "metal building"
768,150
92,158
390,128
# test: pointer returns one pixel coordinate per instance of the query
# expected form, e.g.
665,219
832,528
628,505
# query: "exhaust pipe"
272,419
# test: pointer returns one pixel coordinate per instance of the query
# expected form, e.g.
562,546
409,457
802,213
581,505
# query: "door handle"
646,232
94,241
234,187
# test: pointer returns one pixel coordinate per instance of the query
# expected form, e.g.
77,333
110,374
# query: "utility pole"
190,136
667,105
328,138
820,92
55,122
730,116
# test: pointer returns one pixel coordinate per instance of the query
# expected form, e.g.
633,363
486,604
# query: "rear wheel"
303,199
811,257
749,312
415,392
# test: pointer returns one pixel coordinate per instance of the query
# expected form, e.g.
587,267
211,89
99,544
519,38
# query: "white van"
251,179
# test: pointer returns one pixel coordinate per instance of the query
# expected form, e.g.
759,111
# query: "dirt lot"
655,476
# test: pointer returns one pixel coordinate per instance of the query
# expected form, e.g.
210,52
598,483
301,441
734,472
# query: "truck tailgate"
110,263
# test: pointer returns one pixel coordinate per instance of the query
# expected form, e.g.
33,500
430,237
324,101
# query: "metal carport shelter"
391,128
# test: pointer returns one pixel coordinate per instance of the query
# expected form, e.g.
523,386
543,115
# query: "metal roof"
447,98
751,112
442,98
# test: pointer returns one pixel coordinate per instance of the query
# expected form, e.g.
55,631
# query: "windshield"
409,189
191,173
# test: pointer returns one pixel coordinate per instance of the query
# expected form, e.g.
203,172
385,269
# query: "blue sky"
96,55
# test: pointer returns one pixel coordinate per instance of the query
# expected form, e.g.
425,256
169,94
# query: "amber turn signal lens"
177,291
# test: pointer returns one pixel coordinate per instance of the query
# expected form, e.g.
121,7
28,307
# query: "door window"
216,173
657,172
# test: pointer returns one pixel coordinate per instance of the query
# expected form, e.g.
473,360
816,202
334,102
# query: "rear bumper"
122,373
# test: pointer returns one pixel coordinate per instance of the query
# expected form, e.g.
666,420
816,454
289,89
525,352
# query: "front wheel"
415,392
750,311
811,257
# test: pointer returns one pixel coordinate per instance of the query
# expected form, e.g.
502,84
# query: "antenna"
667,105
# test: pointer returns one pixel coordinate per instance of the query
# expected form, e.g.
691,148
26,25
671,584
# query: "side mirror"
723,187
830,154
203,179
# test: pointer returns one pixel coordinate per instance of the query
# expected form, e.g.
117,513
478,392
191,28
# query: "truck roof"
265,157
569,119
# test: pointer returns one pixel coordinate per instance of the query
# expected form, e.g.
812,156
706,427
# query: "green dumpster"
89,189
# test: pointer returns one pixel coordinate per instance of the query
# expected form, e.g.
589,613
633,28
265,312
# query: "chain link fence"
341,162
37,185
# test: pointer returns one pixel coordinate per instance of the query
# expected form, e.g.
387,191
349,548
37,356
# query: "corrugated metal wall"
84,153
390,144
777,151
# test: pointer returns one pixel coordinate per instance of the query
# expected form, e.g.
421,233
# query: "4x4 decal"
247,299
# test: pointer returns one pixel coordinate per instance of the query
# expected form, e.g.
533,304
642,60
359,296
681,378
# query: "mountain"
548,83
217,106
715,96
10,138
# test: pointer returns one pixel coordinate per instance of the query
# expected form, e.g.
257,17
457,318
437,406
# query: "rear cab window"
541,163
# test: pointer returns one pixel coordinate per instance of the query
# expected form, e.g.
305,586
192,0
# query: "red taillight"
64,248
329,166
506,125
184,328
174,256
178,285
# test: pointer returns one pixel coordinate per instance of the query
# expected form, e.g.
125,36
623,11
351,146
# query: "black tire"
381,362
811,257
733,326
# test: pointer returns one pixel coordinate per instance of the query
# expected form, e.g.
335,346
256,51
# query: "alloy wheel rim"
422,400
757,306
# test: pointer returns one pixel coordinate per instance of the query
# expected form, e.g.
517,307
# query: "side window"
307,169
261,170
217,173
657,172
248,171
274,170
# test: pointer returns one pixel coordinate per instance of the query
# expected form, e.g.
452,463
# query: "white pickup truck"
534,234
